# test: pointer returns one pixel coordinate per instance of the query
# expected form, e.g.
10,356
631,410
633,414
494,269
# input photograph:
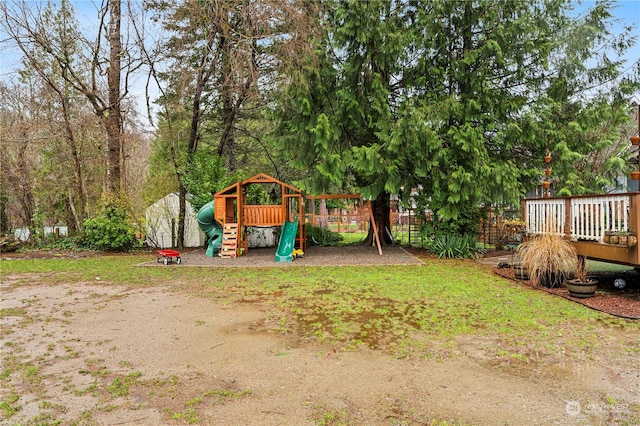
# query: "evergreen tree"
583,111
446,96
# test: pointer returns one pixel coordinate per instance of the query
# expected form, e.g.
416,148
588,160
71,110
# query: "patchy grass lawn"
435,311
374,306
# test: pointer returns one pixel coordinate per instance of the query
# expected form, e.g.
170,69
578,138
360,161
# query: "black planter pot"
582,289
552,279
520,272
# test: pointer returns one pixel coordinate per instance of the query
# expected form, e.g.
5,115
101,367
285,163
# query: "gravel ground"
314,256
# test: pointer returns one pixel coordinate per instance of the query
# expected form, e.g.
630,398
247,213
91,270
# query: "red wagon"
168,256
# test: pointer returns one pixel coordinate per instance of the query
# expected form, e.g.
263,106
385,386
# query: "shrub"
62,243
322,237
548,258
454,246
111,231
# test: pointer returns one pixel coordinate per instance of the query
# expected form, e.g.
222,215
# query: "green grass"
8,406
323,416
596,266
352,237
120,385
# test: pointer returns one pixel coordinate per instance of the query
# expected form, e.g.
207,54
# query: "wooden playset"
234,213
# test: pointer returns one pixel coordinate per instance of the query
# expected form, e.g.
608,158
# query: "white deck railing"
545,216
590,217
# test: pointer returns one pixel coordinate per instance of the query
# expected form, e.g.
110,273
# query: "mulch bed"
623,302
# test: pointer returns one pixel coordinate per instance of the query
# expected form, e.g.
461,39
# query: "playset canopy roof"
259,178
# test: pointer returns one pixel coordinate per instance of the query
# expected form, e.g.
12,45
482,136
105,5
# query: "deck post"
523,215
567,219
634,221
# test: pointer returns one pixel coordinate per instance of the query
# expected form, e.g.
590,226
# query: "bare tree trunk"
228,146
324,215
79,211
71,217
55,46
27,199
380,209
113,118
203,76
4,218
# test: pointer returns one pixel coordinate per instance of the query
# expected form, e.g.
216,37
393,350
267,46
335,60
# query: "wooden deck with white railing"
584,220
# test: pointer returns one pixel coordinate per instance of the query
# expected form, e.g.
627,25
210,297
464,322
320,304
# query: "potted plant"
519,271
622,238
611,237
548,258
627,238
581,286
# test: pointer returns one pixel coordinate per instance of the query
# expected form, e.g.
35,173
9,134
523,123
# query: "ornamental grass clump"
454,246
581,273
548,258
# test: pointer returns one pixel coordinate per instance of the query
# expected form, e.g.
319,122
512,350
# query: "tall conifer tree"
446,96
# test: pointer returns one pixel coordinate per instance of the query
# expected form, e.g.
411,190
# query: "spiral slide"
211,228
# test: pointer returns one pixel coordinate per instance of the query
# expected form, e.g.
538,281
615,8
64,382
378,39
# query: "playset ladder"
229,240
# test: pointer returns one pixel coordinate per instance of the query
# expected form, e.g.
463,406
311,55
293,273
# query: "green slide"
287,242
211,228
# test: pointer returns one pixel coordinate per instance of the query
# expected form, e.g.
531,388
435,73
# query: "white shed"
162,217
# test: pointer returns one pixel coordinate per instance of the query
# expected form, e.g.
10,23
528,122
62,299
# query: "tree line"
460,99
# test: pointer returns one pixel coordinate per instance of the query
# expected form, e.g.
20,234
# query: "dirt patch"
96,354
